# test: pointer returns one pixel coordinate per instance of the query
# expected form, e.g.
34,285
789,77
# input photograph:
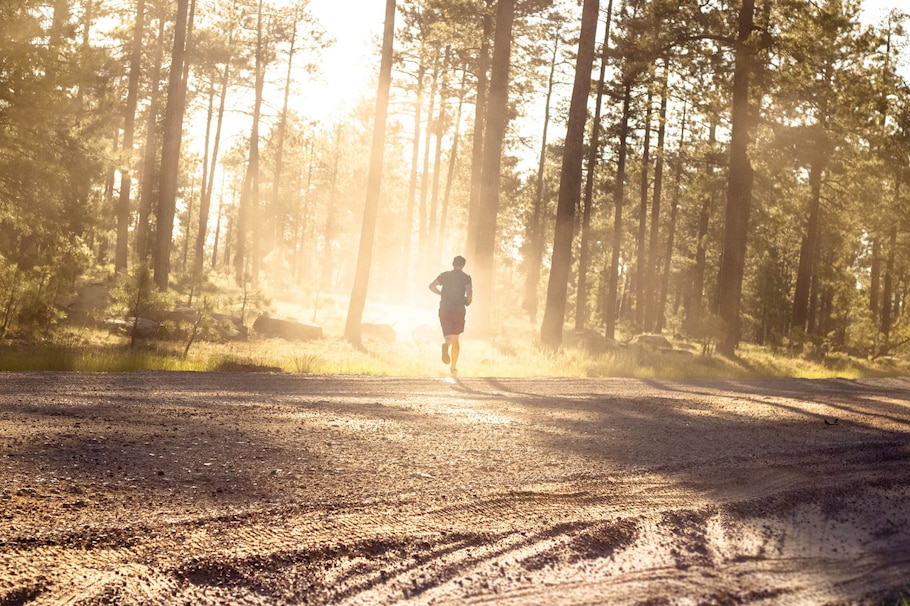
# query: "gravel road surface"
257,488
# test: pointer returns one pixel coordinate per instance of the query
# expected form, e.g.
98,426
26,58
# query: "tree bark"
149,175
450,173
412,181
570,181
121,249
641,247
671,230
423,211
739,188
807,252
170,146
581,291
535,229
249,193
480,117
611,300
497,118
650,302
205,204
352,328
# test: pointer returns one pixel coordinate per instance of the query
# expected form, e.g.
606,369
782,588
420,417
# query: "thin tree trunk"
581,291
640,261
535,230
352,328
149,179
694,299
328,260
278,221
121,249
218,216
423,211
480,117
249,194
875,287
612,299
205,204
450,174
438,129
412,181
671,230
651,285
888,306
807,252
170,146
570,181
495,130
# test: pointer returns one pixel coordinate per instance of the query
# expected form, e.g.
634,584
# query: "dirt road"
182,488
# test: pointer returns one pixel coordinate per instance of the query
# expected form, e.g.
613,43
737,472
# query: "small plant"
135,298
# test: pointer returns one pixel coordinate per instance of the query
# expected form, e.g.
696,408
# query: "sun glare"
346,68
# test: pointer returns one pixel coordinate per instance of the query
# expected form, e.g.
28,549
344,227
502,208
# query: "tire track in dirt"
812,516
442,549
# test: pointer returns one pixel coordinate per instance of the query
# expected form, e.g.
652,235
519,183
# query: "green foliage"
135,297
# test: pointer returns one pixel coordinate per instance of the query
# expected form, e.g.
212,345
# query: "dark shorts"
452,322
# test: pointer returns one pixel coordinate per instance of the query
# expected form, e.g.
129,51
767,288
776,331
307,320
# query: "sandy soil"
183,488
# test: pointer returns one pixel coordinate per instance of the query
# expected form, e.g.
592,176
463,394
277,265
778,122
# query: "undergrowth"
500,357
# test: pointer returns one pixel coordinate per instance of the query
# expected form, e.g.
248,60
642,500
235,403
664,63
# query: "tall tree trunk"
121,249
807,252
888,306
480,118
438,128
278,219
170,146
200,229
694,298
412,181
247,224
803,314
640,252
650,302
535,228
494,133
875,285
450,173
570,181
218,216
423,211
739,187
328,261
671,230
205,204
352,328
581,291
149,180
611,300
189,221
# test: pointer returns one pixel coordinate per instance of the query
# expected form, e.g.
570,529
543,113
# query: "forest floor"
269,488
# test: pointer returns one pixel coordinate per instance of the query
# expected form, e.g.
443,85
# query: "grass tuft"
514,355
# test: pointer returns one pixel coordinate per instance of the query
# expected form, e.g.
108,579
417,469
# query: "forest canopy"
725,170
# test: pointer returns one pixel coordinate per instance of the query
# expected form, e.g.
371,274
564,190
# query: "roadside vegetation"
96,350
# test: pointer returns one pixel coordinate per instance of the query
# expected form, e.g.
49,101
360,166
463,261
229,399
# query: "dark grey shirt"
455,286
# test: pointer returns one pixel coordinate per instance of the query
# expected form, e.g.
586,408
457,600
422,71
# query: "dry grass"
512,352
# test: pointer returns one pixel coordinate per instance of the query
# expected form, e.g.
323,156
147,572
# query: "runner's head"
458,262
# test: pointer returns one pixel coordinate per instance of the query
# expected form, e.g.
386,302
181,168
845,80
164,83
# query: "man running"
456,292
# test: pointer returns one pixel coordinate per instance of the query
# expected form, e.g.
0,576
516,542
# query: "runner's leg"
456,349
445,349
